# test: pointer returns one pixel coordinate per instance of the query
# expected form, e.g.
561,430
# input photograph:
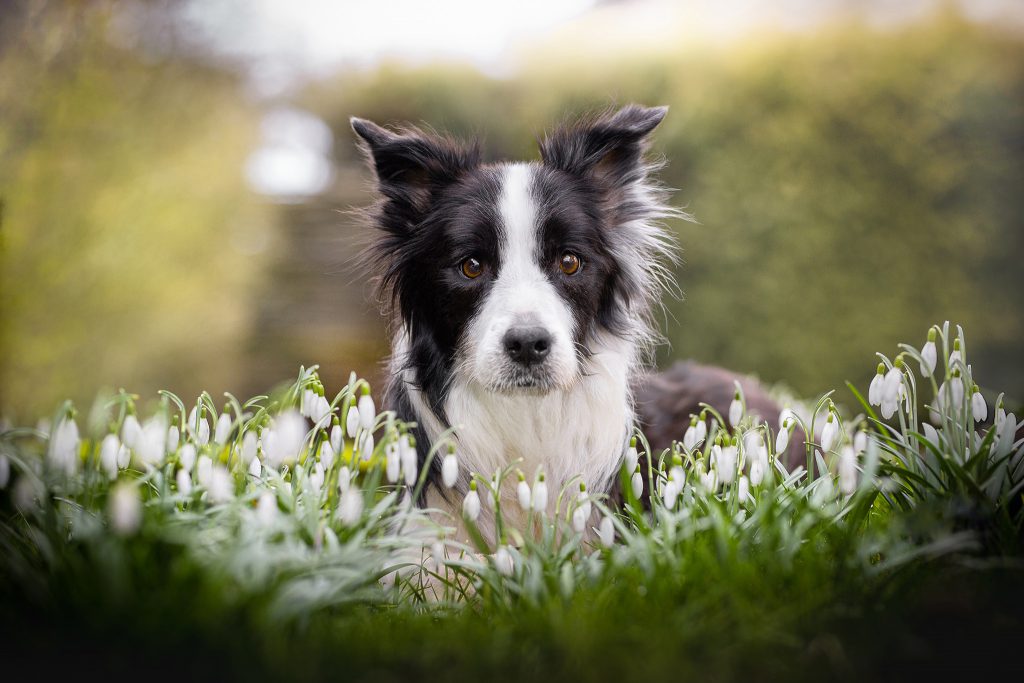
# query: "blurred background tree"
851,185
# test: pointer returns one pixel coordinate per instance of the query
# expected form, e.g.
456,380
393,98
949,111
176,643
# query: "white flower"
782,440
860,441
327,455
5,471
173,437
367,412
756,472
306,402
350,507
255,468
199,427
437,553
830,433
847,470
523,493
716,454
130,431
1006,432
352,421
125,509
187,457
204,468
64,442
892,391
931,435
344,478
503,561
690,437
709,480
606,532
955,355
320,410
735,410
951,394
283,440
108,455
151,441
579,520
702,428
184,482
929,355
671,492
471,503
449,469
220,487
248,451
824,491
727,461
366,445
266,508
540,494
978,406
637,482
875,389
632,457
410,458
392,463
316,478
223,429
744,488
337,437
787,418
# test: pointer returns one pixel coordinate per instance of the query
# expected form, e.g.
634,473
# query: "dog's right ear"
410,164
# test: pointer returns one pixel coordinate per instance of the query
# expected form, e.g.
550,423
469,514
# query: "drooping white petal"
929,358
183,481
223,429
503,561
367,412
125,509
108,455
979,408
248,451
523,493
782,440
352,421
187,457
471,505
336,438
540,495
327,455
847,470
606,532
449,470
735,411
350,506
637,484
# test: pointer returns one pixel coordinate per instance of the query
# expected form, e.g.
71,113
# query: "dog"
521,298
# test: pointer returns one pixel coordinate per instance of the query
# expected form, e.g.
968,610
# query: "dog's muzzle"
527,346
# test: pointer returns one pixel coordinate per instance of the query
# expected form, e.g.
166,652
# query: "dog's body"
521,296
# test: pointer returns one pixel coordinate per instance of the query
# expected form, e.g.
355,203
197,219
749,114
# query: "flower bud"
471,503
449,469
606,532
540,494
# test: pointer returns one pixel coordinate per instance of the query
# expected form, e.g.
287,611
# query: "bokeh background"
175,176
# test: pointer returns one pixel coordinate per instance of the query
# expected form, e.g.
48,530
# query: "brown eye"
569,263
472,268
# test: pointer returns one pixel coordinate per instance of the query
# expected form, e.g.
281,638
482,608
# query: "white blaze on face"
522,295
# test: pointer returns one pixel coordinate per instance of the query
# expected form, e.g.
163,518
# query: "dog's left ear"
609,147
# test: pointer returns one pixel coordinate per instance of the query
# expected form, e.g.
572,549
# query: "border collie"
521,298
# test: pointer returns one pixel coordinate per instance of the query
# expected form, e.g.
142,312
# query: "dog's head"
504,274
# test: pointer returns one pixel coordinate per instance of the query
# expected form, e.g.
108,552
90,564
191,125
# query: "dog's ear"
609,147
410,164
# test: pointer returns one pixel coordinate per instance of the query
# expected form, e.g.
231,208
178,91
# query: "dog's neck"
581,431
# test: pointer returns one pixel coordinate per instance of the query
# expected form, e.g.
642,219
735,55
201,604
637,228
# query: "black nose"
527,345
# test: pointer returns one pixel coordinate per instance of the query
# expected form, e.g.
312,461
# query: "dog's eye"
569,263
472,268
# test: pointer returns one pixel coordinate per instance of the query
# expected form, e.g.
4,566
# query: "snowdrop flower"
306,401
736,409
727,458
579,520
64,442
437,554
824,491
523,493
756,472
204,469
671,492
929,355
367,411
184,482
366,445
5,471
503,561
187,457
410,458
875,389
1000,413
337,436
782,440
130,431
327,455
352,421
632,457
606,532
1006,432
847,470
350,506
716,452
690,437
125,509
860,441
255,468
199,426
637,482
702,426
283,440
266,508
931,435
220,486
540,494
316,478
392,463
319,410
743,488
709,480
892,390
223,429
449,469
173,437
978,406
151,441
108,455
471,503
951,394
248,451
955,355
830,433
344,478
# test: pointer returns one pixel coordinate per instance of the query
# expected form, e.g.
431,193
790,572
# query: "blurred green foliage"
850,187
125,214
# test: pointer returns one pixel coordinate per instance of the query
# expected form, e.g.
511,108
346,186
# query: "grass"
899,550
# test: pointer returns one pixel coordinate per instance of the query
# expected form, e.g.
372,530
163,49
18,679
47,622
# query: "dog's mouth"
525,382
